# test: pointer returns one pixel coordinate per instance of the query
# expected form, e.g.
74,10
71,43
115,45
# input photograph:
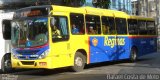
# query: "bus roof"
141,18
91,11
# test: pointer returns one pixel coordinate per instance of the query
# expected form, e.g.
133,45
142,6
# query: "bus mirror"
6,29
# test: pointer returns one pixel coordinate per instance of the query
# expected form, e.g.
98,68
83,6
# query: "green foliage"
102,4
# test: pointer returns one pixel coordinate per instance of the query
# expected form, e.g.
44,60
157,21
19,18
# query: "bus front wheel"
133,55
6,63
79,62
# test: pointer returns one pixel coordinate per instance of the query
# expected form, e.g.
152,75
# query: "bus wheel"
79,62
133,55
6,63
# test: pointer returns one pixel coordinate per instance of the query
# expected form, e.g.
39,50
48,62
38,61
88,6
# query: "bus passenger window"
151,30
108,25
132,27
142,27
93,24
77,24
121,26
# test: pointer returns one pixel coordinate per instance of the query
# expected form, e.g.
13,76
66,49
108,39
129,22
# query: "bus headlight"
44,54
14,55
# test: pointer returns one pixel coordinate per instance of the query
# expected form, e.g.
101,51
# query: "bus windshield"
29,32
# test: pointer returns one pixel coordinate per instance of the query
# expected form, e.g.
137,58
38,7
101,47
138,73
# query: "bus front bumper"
41,63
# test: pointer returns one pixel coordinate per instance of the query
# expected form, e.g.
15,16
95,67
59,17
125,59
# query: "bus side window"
77,23
121,26
142,27
6,29
132,26
93,24
108,25
151,30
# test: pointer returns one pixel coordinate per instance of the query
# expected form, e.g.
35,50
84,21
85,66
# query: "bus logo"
27,57
112,42
94,42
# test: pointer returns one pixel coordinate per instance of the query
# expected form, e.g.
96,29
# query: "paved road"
149,64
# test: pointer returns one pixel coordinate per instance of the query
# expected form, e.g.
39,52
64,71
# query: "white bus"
5,41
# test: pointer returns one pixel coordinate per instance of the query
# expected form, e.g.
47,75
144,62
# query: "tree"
101,3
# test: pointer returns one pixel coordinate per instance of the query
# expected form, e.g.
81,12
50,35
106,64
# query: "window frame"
118,28
67,37
112,25
83,24
154,28
95,24
134,24
141,30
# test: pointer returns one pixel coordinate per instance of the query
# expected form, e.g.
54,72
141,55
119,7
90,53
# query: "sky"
133,0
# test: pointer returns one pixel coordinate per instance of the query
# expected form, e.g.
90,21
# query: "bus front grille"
27,62
27,52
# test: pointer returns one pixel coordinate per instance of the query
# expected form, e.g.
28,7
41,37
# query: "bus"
51,36
5,39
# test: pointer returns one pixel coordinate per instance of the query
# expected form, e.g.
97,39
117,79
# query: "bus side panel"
99,52
106,48
135,42
144,45
152,45
140,44
123,47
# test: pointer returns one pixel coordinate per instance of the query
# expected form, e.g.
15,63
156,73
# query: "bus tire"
133,55
6,63
79,62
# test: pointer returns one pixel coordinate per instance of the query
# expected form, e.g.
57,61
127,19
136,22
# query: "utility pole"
158,22
147,8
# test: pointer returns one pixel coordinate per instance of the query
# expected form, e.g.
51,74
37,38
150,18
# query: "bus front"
30,38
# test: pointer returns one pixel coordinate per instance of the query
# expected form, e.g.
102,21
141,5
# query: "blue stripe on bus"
115,48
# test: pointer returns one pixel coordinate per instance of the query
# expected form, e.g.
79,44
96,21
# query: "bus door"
151,30
60,40
143,40
122,39
93,29
109,31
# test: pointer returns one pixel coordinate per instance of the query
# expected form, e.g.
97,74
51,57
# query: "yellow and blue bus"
54,36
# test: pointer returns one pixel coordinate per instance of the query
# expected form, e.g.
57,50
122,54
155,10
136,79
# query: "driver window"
59,27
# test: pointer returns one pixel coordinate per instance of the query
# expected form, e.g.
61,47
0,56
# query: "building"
11,5
147,8
134,7
121,5
150,8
